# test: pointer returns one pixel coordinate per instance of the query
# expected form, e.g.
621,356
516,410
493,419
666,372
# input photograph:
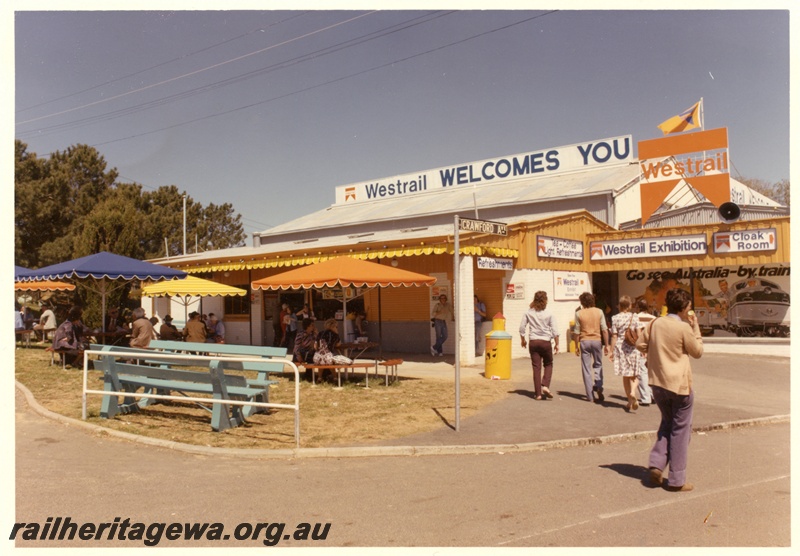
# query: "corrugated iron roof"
462,200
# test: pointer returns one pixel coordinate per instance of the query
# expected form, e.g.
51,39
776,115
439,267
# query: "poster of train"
729,301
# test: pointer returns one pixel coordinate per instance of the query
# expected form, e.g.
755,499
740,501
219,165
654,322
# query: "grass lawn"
352,415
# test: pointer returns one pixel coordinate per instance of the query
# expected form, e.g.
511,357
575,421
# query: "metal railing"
177,356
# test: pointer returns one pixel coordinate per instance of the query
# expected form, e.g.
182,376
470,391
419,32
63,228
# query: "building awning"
191,286
343,272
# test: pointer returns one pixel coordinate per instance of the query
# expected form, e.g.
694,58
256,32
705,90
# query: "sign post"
467,225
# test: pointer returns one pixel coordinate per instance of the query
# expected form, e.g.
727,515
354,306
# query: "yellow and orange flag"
686,120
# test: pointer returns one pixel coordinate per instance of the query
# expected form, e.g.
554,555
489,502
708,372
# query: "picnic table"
354,350
23,335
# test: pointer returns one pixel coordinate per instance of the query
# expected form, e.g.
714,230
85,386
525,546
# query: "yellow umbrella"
189,287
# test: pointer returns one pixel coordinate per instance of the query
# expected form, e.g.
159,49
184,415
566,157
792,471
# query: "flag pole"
702,115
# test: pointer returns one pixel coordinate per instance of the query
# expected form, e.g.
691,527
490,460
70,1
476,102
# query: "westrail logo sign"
603,152
699,158
648,247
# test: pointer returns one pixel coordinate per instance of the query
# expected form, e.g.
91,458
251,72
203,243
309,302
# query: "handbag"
631,335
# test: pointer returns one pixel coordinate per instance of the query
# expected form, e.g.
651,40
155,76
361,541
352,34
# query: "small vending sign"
745,241
559,248
515,291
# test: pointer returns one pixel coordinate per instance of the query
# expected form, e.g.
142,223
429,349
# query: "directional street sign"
482,226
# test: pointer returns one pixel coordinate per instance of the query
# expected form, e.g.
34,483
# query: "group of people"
650,354
312,347
70,337
288,320
24,320
199,328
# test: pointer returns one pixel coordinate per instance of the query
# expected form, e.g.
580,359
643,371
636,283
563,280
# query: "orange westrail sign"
700,158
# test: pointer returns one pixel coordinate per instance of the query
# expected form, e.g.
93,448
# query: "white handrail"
179,356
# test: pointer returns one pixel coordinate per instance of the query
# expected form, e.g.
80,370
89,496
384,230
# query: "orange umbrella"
43,286
344,272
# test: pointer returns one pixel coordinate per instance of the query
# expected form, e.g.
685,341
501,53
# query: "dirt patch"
329,416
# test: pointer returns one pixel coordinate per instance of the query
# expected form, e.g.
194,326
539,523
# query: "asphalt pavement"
519,473
731,390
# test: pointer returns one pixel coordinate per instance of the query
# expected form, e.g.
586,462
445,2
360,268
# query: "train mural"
740,301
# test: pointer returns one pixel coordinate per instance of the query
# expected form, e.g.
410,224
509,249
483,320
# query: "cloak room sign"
745,241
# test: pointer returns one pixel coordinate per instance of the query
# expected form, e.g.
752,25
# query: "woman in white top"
540,326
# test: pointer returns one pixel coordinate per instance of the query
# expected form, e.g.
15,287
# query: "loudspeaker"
729,212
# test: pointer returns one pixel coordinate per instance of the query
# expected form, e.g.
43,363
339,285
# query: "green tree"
52,199
71,205
778,192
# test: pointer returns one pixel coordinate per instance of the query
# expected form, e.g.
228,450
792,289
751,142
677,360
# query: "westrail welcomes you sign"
556,160
648,247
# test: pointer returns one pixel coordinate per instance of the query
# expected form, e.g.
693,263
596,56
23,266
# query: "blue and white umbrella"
103,269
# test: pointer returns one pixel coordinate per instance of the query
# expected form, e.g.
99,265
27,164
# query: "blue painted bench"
268,353
122,373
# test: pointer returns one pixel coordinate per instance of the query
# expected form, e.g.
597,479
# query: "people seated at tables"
27,317
215,330
47,321
328,342
115,328
195,330
304,344
142,330
68,339
169,331
19,323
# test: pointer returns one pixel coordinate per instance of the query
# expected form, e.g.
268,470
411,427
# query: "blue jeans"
592,365
440,327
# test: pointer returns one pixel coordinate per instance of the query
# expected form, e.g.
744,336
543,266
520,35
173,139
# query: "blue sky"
251,108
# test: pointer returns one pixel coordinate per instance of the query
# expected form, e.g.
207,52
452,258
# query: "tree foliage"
71,205
778,192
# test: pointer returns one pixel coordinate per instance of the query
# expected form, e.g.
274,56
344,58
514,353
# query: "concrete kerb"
379,451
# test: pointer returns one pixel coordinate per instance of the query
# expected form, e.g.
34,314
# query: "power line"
191,73
320,85
240,78
255,223
182,57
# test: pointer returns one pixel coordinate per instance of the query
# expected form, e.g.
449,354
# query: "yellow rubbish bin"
498,350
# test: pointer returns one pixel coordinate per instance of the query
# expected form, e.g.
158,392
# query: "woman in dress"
626,358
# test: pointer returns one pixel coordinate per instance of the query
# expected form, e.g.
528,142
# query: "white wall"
513,309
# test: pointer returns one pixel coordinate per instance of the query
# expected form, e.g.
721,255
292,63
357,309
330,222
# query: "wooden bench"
60,352
270,354
339,367
24,336
154,374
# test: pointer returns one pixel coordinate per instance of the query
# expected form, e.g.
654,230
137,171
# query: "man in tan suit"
668,343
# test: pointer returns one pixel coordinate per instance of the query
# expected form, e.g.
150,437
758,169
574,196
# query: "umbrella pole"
102,288
380,326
